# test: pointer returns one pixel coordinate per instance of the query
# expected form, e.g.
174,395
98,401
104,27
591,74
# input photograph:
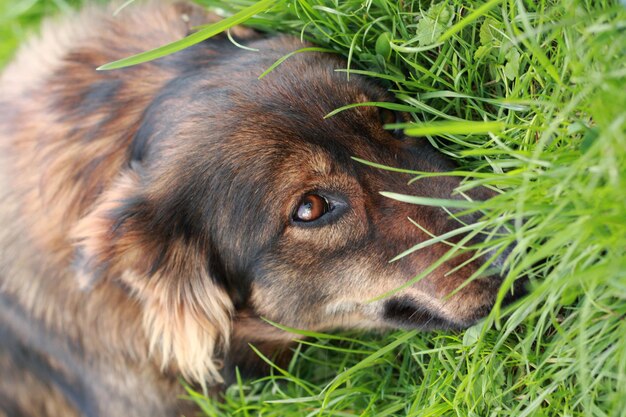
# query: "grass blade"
454,128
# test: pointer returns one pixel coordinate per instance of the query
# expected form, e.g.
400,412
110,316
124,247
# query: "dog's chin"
405,313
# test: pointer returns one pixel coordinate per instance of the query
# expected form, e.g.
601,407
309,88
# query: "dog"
153,216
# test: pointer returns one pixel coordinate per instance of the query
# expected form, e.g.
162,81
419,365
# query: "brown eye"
312,207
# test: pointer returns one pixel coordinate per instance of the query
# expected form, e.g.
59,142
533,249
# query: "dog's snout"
462,289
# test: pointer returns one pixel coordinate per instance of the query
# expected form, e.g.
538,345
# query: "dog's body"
149,216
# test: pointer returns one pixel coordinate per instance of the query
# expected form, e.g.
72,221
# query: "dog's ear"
187,315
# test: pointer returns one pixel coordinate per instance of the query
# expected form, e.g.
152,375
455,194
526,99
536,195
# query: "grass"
543,85
19,18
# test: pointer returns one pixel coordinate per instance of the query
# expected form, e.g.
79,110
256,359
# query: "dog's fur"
147,214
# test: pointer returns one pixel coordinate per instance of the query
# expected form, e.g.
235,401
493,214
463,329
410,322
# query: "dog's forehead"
316,85
248,129
295,105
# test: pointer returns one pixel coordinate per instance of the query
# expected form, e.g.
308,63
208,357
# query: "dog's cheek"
332,292
289,298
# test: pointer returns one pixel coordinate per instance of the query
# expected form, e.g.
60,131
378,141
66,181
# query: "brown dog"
151,215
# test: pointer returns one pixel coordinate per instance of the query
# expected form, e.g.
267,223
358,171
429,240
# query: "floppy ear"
186,314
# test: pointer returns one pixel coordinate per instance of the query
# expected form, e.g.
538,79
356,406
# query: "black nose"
404,312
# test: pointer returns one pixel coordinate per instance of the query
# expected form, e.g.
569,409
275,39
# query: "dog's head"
240,195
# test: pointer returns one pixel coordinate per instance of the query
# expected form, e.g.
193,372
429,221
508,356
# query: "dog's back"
64,134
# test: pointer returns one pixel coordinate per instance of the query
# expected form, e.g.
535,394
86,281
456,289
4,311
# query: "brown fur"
147,214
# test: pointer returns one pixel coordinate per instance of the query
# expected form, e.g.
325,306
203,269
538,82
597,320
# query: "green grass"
19,18
543,85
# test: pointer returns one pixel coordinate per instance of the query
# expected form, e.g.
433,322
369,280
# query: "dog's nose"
406,312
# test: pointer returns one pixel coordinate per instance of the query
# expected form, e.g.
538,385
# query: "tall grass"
20,18
529,98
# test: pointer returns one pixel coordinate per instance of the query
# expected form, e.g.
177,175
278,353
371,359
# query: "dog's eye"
388,117
312,207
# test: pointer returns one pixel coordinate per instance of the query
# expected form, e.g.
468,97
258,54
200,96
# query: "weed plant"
529,98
